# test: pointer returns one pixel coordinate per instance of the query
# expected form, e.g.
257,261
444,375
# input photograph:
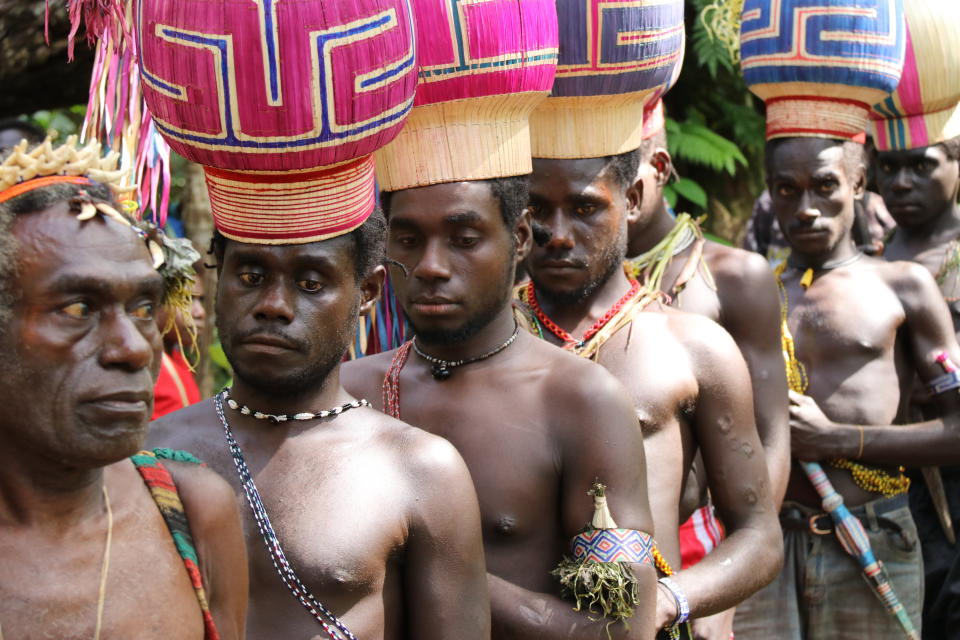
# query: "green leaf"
671,195
691,191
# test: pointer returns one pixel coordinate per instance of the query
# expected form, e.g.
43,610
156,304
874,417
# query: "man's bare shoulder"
186,428
365,375
736,267
903,276
703,340
567,375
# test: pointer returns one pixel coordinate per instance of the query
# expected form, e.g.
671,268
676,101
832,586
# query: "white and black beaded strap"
280,563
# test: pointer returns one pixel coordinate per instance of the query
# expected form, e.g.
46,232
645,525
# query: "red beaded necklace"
564,335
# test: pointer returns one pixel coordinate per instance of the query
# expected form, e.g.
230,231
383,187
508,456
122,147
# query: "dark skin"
863,331
81,352
689,384
744,302
405,494
533,455
920,189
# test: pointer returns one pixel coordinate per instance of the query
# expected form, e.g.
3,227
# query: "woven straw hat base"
805,109
587,126
912,132
470,139
291,207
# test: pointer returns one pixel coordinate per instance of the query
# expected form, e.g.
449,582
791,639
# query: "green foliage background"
715,129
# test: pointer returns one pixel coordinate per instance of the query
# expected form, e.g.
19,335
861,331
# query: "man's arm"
752,553
929,332
445,580
600,440
214,518
750,311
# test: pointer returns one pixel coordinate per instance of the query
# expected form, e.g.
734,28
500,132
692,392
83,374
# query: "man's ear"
370,288
662,164
523,234
634,197
860,185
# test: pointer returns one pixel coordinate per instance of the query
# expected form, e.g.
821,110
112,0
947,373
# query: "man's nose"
807,212
434,262
126,343
561,231
275,303
902,180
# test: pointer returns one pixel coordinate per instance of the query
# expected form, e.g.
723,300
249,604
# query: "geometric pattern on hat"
259,88
819,65
613,55
613,545
484,66
924,109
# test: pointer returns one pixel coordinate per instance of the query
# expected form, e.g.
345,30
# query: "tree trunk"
35,75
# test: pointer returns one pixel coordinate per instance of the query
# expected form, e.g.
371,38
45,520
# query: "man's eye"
310,285
404,241
828,186
535,210
925,166
886,167
251,279
466,241
77,310
785,191
144,311
585,209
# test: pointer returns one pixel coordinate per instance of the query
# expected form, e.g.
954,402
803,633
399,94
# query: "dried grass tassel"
598,575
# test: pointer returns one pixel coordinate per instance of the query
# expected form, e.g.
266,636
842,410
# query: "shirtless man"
920,186
378,519
689,385
536,426
732,287
863,329
84,549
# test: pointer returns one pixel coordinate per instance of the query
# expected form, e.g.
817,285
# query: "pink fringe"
116,114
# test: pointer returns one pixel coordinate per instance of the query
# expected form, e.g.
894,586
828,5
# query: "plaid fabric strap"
164,493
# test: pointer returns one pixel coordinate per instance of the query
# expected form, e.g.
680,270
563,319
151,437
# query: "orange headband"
36,183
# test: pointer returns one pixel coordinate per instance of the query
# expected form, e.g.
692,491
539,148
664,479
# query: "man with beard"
536,426
96,539
689,384
378,521
863,328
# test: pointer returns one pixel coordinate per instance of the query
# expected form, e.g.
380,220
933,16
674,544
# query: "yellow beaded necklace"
867,478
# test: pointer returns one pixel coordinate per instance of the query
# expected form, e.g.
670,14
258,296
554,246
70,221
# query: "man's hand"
666,607
810,430
716,627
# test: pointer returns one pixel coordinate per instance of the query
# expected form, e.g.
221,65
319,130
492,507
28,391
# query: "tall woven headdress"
654,114
484,66
925,109
819,65
613,56
283,102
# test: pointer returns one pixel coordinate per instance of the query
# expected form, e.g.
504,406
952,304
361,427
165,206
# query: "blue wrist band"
683,607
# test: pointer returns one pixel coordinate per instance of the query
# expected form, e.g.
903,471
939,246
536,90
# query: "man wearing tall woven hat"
537,427
917,167
358,526
98,540
730,286
856,330
690,386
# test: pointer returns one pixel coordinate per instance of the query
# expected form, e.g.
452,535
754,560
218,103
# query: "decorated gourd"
484,66
283,102
819,65
613,56
924,109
